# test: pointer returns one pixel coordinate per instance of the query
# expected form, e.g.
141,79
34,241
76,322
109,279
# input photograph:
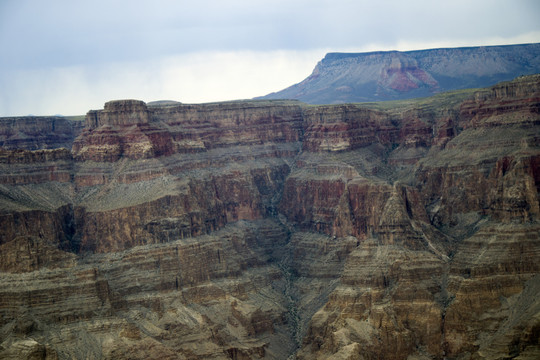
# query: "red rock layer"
265,229
449,263
402,74
21,167
206,206
33,132
131,130
504,104
345,127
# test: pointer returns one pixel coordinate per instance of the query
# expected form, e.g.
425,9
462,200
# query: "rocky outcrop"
119,112
270,229
346,127
34,167
183,299
470,187
202,206
33,132
128,129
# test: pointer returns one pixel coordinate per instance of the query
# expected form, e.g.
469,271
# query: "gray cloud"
69,32
47,38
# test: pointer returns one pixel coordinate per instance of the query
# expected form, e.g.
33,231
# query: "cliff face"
266,229
392,75
33,133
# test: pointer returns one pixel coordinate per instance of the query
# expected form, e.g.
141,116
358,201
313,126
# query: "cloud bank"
68,57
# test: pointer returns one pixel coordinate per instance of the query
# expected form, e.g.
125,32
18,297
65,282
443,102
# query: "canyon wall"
36,132
273,229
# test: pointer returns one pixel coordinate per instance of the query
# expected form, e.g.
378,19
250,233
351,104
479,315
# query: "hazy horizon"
66,58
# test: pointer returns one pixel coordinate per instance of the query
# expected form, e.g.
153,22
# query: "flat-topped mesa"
392,75
119,112
128,128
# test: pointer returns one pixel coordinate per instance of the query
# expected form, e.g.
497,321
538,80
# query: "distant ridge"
393,75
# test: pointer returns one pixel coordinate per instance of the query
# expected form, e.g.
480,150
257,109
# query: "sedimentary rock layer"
269,229
36,132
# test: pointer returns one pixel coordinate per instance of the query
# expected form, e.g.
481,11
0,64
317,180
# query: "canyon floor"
275,229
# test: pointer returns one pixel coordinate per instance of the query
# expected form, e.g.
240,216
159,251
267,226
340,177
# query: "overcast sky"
67,57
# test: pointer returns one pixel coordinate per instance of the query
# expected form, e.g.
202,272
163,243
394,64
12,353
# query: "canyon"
275,229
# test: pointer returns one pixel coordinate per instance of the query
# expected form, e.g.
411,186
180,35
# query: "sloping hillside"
392,75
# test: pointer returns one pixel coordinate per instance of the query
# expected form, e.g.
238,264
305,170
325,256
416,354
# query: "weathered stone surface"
21,167
119,112
479,195
265,229
186,297
36,132
128,129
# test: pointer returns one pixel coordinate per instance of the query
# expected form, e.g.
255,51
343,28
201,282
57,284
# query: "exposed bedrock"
23,167
119,112
128,129
195,298
272,229
405,288
37,132
201,205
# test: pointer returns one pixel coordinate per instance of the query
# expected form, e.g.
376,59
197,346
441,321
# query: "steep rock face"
199,207
32,132
234,123
183,299
504,104
346,127
129,129
497,156
34,167
404,290
392,75
267,229
55,227
493,293
119,112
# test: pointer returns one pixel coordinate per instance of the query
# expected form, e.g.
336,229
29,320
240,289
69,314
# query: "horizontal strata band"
269,229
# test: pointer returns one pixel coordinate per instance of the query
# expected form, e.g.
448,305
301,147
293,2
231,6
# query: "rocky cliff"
391,75
33,132
274,229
